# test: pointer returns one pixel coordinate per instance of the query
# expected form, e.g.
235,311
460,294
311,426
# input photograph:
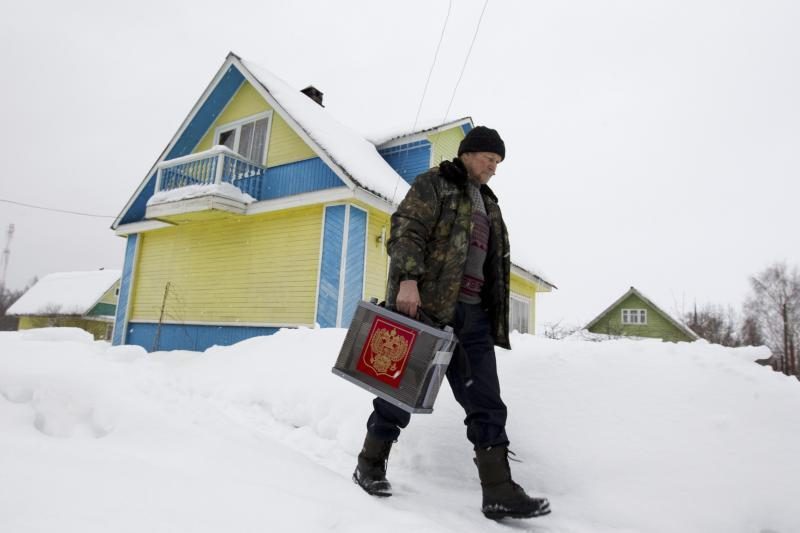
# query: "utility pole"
6,257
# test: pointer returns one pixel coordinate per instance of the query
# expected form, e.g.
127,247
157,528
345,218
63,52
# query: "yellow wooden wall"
97,328
110,296
376,258
285,146
445,144
526,288
259,269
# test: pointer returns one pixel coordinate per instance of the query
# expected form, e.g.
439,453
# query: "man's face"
481,166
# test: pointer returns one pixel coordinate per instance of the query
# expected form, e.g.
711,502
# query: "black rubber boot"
502,498
370,473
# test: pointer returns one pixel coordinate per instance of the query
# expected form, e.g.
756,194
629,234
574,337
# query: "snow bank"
621,436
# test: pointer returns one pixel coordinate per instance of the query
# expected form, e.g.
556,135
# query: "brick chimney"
313,93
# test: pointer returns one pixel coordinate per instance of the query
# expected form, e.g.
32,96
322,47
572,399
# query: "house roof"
65,293
349,151
352,158
399,135
532,274
648,301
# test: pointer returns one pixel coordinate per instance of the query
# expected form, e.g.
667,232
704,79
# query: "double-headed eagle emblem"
388,349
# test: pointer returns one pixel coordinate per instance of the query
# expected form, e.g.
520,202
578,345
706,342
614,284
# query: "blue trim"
354,264
299,177
191,337
409,160
125,285
137,209
466,128
208,113
328,296
191,136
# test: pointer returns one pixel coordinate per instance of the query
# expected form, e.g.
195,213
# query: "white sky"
651,144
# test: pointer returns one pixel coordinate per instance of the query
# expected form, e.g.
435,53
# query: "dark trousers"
485,410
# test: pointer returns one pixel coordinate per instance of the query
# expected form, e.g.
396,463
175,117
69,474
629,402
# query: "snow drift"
622,436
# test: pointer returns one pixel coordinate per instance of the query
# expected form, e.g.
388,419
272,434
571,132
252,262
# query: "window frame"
639,313
237,125
524,300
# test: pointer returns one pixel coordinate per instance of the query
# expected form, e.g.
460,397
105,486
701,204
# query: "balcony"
218,179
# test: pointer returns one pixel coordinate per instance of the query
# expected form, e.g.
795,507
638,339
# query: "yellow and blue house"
265,212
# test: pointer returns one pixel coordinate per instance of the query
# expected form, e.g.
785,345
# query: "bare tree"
714,324
7,299
558,331
774,305
750,332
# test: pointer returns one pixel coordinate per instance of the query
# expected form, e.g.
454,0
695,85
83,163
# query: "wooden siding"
330,266
110,296
526,288
285,146
341,284
189,336
445,144
210,109
354,264
657,326
409,160
125,285
97,328
298,177
377,259
256,270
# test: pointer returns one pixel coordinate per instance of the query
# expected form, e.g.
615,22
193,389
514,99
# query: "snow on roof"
65,293
353,153
385,135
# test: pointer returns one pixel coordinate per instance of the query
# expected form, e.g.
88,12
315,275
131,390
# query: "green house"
86,300
634,315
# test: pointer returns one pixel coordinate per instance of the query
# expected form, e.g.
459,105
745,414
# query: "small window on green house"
634,316
247,137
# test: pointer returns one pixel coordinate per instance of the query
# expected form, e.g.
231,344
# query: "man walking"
450,257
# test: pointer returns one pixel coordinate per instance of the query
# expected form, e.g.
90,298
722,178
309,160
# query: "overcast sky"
652,144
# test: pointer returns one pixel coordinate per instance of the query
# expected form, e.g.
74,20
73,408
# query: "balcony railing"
217,165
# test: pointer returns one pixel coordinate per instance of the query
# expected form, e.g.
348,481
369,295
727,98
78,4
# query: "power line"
466,59
433,64
55,210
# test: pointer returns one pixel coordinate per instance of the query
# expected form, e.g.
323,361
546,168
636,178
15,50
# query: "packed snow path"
622,436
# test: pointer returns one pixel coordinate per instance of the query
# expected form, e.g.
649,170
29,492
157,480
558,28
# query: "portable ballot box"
395,357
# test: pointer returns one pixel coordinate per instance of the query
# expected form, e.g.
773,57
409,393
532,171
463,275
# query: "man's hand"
408,301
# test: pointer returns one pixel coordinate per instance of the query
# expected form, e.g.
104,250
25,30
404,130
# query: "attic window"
634,316
248,137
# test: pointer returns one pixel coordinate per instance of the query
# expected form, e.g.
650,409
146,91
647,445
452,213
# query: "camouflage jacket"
429,240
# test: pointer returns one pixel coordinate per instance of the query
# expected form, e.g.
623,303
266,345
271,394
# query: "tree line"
770,316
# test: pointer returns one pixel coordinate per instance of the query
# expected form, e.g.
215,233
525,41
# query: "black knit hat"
483,139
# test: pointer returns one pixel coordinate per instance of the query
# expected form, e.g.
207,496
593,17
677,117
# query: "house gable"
211,104
284,145
412,154
658,323
232,95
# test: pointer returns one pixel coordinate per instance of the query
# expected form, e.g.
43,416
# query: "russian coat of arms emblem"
386,351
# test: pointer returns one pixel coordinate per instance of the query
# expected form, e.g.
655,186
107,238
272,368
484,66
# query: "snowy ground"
622,436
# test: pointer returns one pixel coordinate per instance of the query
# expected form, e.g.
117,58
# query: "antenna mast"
6,256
